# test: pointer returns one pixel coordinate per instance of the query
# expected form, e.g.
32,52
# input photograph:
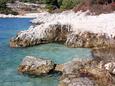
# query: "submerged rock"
35,66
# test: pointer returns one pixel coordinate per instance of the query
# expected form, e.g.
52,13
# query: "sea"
10,58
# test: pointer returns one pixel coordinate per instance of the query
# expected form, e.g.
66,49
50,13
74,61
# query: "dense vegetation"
32,1
50,4
63,4
4,9
54,4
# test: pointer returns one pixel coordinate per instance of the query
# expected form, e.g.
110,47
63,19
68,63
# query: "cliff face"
73,29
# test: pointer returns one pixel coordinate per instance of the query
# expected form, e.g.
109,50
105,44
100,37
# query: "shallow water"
10,58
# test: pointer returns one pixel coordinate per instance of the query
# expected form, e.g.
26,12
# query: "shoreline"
28,15
90,72
75,29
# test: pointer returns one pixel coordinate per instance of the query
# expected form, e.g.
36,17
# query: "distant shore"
28,15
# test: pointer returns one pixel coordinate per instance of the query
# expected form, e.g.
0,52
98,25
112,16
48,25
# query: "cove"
10,58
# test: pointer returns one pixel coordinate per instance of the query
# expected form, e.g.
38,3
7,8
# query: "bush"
50,4
68,4
62,4
4,9
7,11
59,3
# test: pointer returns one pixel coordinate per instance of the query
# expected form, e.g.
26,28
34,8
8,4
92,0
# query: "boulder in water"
35,66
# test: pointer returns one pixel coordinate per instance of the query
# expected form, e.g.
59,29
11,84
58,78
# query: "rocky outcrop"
78,72
73,80
35,66
74,66
84,72
36,36
107,58
72,29
57,33
88,40
59,67
110,66
104,54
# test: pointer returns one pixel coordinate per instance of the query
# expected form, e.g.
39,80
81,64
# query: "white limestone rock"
110,66
45,28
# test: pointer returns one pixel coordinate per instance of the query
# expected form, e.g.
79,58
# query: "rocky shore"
77,72
72,29
35,66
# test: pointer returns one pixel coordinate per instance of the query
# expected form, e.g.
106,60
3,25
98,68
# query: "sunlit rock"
110,66
88,40
86,76
74,73
41,35
84,72
59,67
35,66
73,29
104,54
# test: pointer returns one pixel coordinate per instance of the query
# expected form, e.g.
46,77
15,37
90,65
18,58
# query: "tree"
68,4
4,9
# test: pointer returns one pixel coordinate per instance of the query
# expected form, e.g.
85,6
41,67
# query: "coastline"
28,15
94,33
75,29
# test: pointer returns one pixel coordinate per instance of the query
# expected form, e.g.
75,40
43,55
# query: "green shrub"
7,11
50,8
4,9
59,3
68,4
50,4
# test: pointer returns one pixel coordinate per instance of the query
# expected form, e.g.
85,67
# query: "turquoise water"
10,58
